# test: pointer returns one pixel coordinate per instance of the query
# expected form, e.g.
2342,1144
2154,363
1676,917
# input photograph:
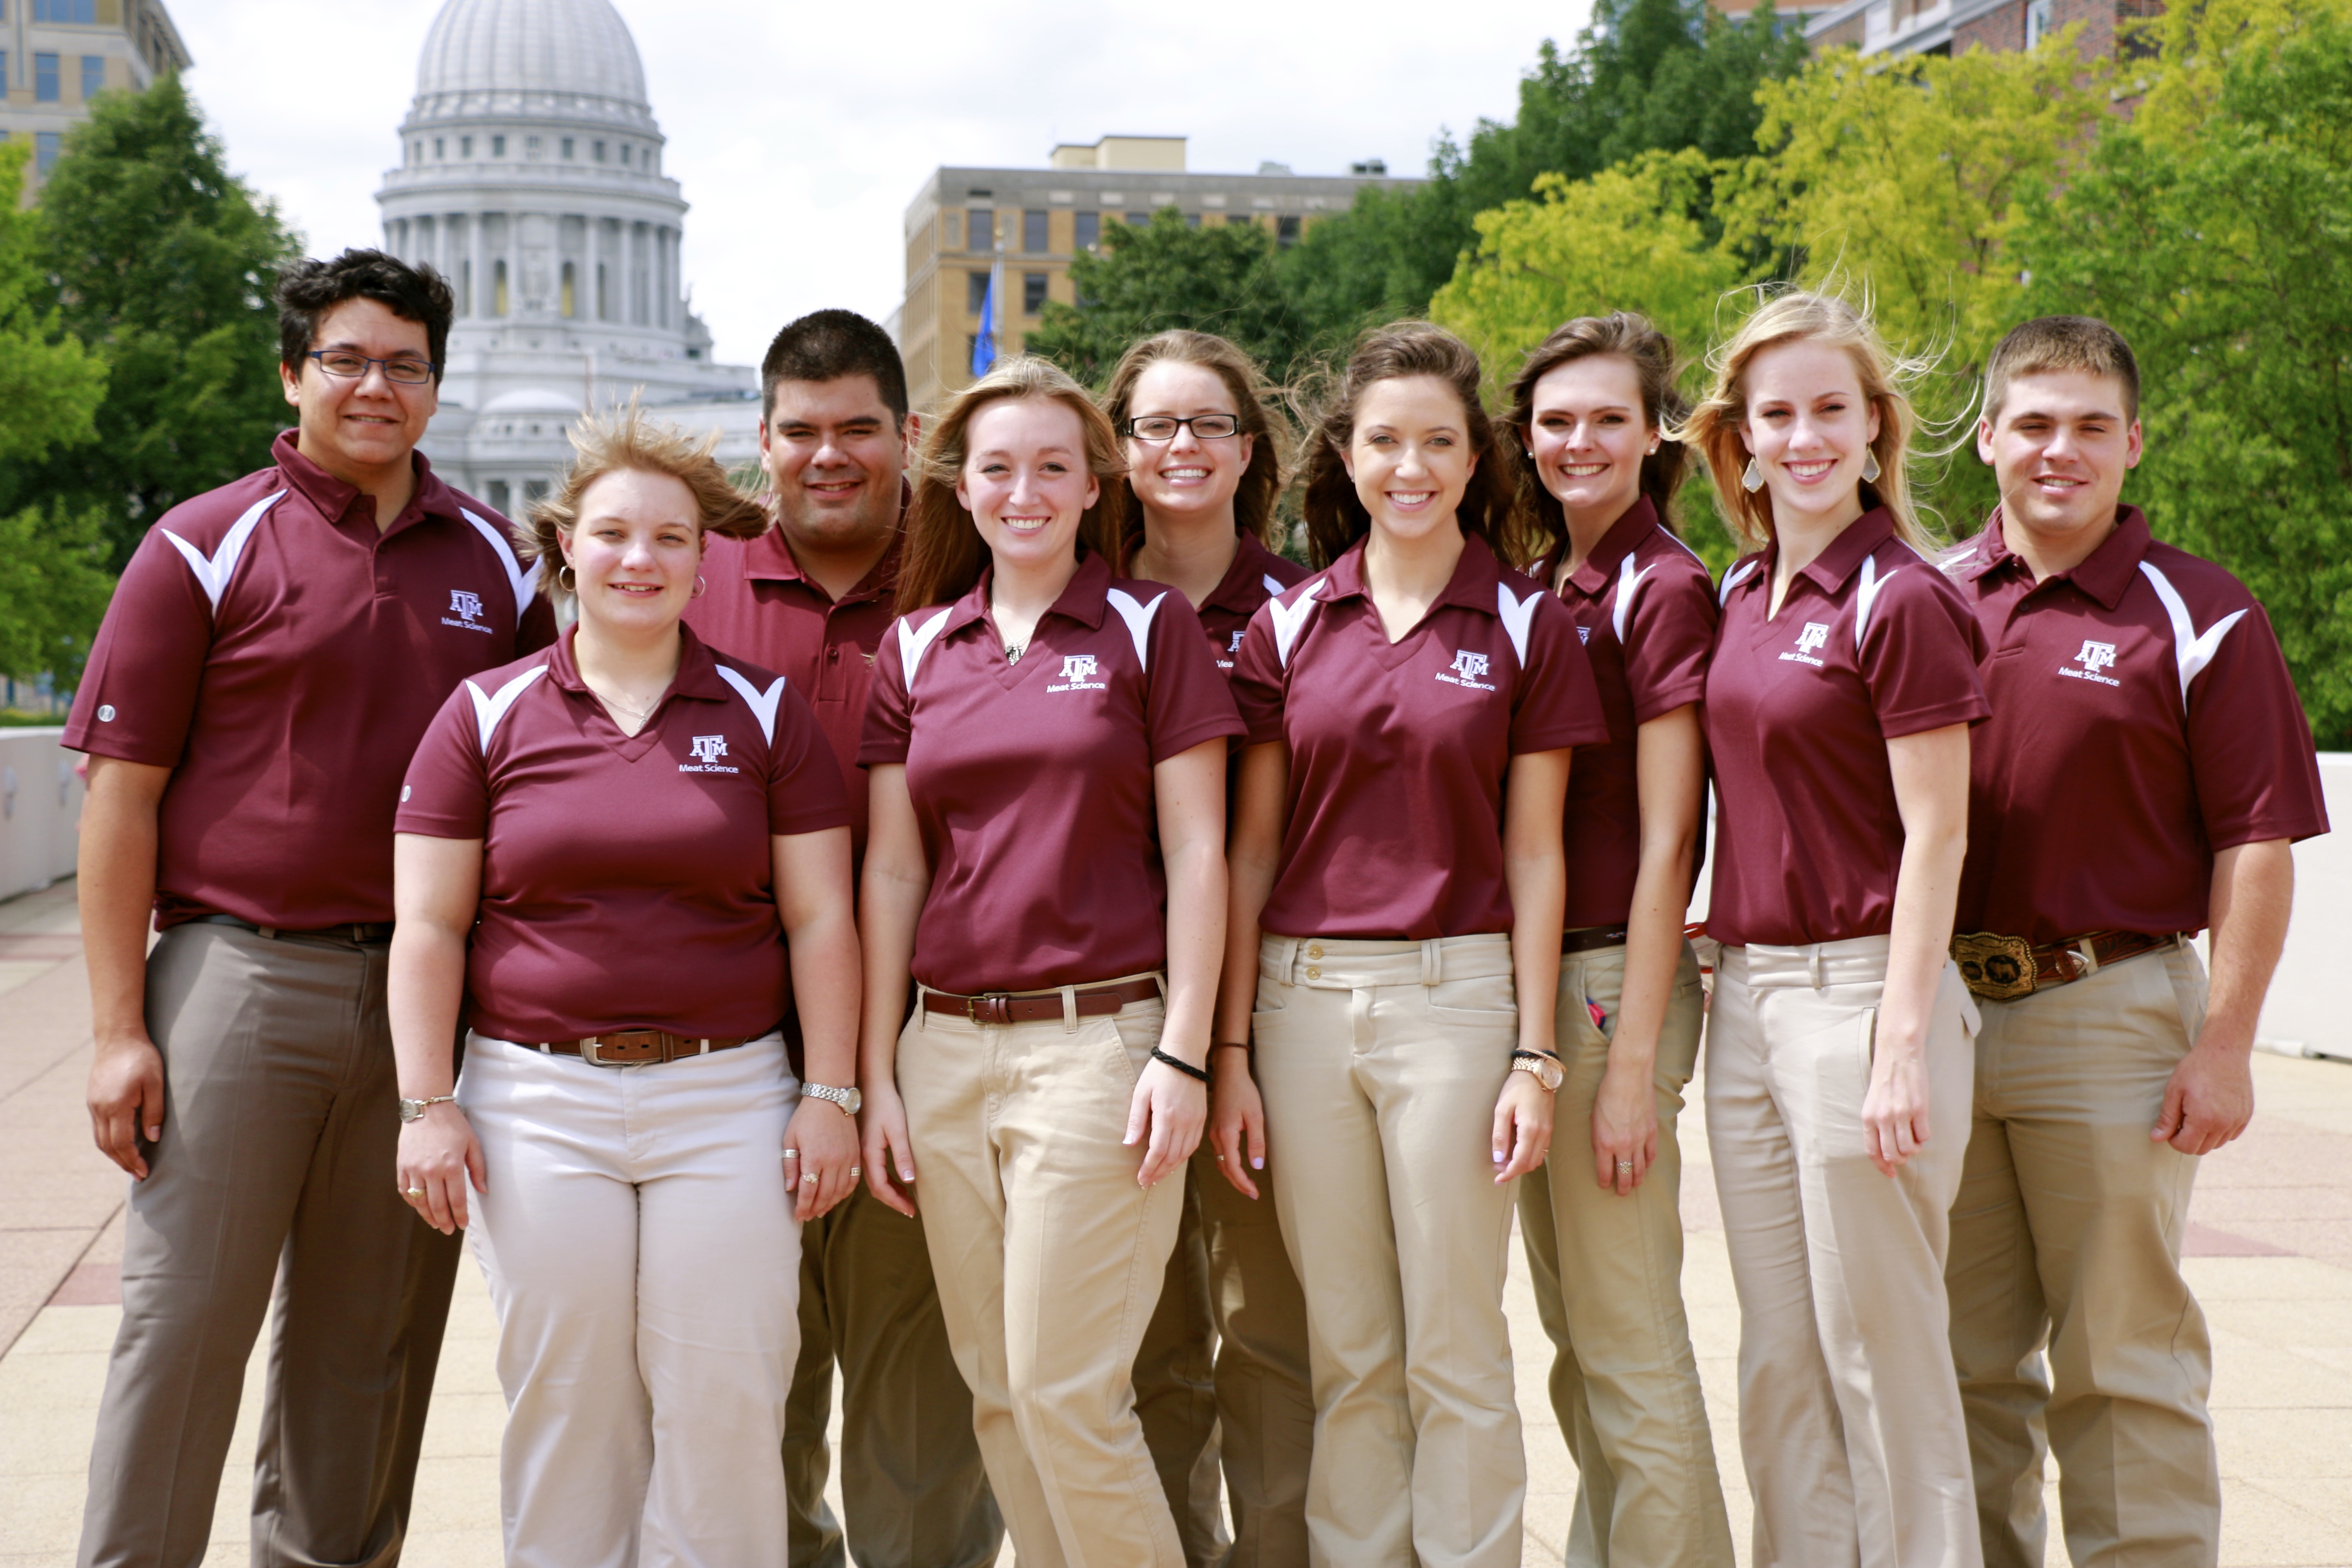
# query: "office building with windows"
964,222
1955,27
530,176
58,55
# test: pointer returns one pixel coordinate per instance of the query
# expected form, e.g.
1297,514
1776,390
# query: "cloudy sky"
801,132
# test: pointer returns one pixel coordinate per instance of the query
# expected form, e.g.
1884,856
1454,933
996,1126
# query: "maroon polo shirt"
1033,781
1645,608
282,657
627,881
1398,750
1257,575
759,606
2143,721
1871,644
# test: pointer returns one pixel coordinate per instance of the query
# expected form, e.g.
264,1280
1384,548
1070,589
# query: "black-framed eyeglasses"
1164,426
402,370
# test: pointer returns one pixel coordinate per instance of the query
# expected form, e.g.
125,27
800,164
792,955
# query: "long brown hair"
944,553
1336,517
1633,338
1261,482
1714,427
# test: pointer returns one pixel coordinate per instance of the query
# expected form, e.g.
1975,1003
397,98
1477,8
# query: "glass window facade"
82,11
93,76
1088,230
1034,231
45,78
979,229
1033,293
49,146
975,291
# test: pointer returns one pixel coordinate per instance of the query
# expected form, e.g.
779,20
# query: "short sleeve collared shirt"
627,881
1644,607
1033,783
1399,750
282,656
1871,643
2143,721
1257,575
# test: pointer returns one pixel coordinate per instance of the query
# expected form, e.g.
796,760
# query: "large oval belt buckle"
1997,968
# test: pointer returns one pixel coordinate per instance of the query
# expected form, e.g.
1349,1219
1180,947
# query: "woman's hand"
1895,1111
889,1152
439,1154
1624,1126
1236,1117
1523,1113
1171,1108
821,1156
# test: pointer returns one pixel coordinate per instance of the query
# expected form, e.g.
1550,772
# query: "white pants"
641,1248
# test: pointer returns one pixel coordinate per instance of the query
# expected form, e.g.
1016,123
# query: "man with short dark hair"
810,600
2145,770
272,654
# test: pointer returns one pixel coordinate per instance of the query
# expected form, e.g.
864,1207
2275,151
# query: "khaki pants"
1381,1063
1049,1258
1607,1272
1849,1416
1176,1392
911,1480
2066,1235
275,1174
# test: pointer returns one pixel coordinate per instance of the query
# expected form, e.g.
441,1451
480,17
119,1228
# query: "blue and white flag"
983,347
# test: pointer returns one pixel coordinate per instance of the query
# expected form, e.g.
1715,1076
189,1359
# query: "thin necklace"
1012,650
639,714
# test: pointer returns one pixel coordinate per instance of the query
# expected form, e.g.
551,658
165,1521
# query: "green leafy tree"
55,588
2225,256
1148,278
161,262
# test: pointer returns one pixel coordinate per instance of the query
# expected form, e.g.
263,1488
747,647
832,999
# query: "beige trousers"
1607,1272
1176,1390
1849,1415
2066,1237
1381,1063
1049,1258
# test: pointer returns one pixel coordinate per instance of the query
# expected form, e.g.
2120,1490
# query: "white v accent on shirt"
1518,615
488,709
212,573
762,703
1867,594
524,584
2192,652
1288,619
1733,578
914,641
1627,581
1137,618
1271,586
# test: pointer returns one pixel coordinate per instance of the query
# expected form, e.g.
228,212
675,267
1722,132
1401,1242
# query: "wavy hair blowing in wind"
944,553
1714,428
625,441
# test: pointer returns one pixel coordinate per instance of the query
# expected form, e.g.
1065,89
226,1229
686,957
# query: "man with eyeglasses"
272,654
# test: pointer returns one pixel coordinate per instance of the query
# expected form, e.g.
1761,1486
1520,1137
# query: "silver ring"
808,1181
1624,1164
853,1172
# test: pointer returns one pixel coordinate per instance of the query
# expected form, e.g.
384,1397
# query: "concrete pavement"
2271,1245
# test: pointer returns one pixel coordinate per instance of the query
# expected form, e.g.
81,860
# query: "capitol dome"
563,58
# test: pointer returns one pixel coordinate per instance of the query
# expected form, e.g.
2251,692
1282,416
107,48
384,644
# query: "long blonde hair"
625,441
1714,427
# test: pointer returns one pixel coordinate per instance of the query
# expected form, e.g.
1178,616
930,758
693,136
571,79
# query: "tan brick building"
964,220
1955,27
58,55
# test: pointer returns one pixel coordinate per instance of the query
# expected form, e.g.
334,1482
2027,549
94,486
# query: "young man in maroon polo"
810,599
2146,768
273,652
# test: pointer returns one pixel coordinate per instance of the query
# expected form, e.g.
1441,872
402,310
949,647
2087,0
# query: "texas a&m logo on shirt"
707,750
1467,668
1815,634
1078,675
466,607
2094,657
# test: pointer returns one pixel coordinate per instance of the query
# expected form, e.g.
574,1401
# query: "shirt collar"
698,672
335,500
1471,587
769,559
2104,575
1242,589
1846,553
1085,599
1625,535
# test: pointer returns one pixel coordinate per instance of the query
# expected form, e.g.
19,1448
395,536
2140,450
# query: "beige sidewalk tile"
2263,1528
2284,1445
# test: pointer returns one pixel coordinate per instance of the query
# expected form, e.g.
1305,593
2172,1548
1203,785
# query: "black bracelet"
1199,1075
1536,1056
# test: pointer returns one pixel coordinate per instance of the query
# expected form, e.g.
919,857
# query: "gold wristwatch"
1544,1066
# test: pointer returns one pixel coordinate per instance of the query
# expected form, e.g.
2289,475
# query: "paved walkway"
2271,1243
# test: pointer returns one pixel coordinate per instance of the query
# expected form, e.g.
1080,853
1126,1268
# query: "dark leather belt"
996,1008
2004,968
1584,938
350,931
639,1047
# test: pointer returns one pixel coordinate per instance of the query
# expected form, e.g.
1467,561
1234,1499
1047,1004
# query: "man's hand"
2208,1102
126,1100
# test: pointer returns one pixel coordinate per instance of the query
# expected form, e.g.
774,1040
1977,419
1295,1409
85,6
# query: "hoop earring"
571,587
1870,468
700,587
1751,479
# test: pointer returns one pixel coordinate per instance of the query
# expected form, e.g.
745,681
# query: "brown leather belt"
638,1047
2004,968
1584,938
996,1008
367,933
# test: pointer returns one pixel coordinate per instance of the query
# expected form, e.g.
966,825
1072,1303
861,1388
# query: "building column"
475,281
595,261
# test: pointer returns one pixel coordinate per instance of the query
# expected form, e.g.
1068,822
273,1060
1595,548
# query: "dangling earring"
574,585
1870,468
1751,479
700,587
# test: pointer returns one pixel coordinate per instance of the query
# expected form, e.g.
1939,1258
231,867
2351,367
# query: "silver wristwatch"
411,1109
848,1100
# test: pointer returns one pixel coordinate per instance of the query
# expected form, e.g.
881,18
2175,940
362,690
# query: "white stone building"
530,176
